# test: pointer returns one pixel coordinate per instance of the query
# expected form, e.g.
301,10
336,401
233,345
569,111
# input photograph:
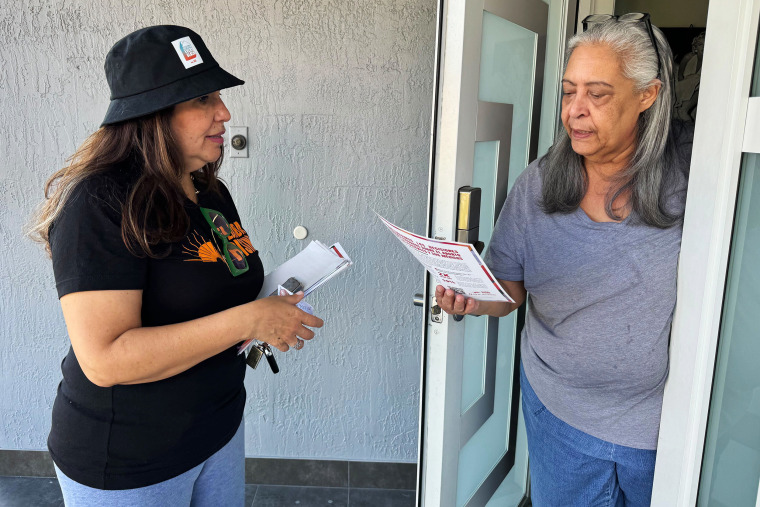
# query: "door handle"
468,222
468,217
468,228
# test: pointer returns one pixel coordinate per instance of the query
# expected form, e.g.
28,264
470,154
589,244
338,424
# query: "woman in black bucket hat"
157,279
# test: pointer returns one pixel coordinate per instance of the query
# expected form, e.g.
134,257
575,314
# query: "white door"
494,113
709,449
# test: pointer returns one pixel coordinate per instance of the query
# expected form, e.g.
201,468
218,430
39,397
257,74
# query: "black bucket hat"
157,67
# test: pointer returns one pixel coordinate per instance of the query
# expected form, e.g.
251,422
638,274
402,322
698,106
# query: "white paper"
313,266
454,265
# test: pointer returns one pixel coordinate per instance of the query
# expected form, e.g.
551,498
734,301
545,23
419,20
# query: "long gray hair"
652,172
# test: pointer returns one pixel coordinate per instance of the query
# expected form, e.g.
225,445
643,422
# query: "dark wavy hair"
153,212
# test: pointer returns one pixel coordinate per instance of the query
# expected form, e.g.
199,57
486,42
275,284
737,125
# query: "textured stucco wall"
337,101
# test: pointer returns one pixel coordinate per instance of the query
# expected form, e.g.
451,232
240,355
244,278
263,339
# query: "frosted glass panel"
484,177
507,69
731,466
486,448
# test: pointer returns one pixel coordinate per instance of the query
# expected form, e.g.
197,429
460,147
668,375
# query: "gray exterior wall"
337,100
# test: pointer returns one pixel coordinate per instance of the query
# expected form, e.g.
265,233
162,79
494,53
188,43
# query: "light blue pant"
570,468
220,480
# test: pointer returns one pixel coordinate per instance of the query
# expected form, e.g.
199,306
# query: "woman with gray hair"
591,233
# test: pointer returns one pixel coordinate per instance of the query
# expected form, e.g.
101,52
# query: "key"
270,357
259,350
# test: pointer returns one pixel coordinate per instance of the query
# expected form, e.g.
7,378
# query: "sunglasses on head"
631,17
233,254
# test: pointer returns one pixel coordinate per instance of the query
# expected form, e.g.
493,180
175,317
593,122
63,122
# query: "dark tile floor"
44,492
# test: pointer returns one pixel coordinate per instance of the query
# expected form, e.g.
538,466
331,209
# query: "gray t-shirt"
600,305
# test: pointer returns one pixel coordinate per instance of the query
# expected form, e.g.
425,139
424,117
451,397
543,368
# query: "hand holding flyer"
308,270
456,266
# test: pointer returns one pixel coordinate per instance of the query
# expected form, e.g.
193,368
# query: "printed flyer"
456,266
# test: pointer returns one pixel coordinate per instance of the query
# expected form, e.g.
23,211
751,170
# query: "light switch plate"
229,150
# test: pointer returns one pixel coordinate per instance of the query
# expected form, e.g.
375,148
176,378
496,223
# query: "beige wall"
668,13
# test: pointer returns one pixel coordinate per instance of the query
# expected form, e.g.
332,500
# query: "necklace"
192,178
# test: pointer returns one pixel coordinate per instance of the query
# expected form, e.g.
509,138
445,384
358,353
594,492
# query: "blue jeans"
571,468
220,480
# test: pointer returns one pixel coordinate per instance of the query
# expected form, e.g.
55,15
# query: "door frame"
731,37
426,306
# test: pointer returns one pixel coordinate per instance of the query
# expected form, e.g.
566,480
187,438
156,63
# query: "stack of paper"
313,266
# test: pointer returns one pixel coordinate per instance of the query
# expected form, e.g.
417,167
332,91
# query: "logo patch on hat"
186,52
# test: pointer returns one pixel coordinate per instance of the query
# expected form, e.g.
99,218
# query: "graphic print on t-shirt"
202,250
205,250
238,236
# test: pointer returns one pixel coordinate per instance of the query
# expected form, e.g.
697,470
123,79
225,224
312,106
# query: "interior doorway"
683,23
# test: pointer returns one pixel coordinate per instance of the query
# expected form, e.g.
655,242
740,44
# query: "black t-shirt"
130,436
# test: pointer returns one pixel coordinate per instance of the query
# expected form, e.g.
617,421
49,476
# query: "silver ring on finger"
298,345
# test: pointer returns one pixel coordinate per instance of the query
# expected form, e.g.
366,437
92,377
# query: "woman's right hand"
279,322
455,304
